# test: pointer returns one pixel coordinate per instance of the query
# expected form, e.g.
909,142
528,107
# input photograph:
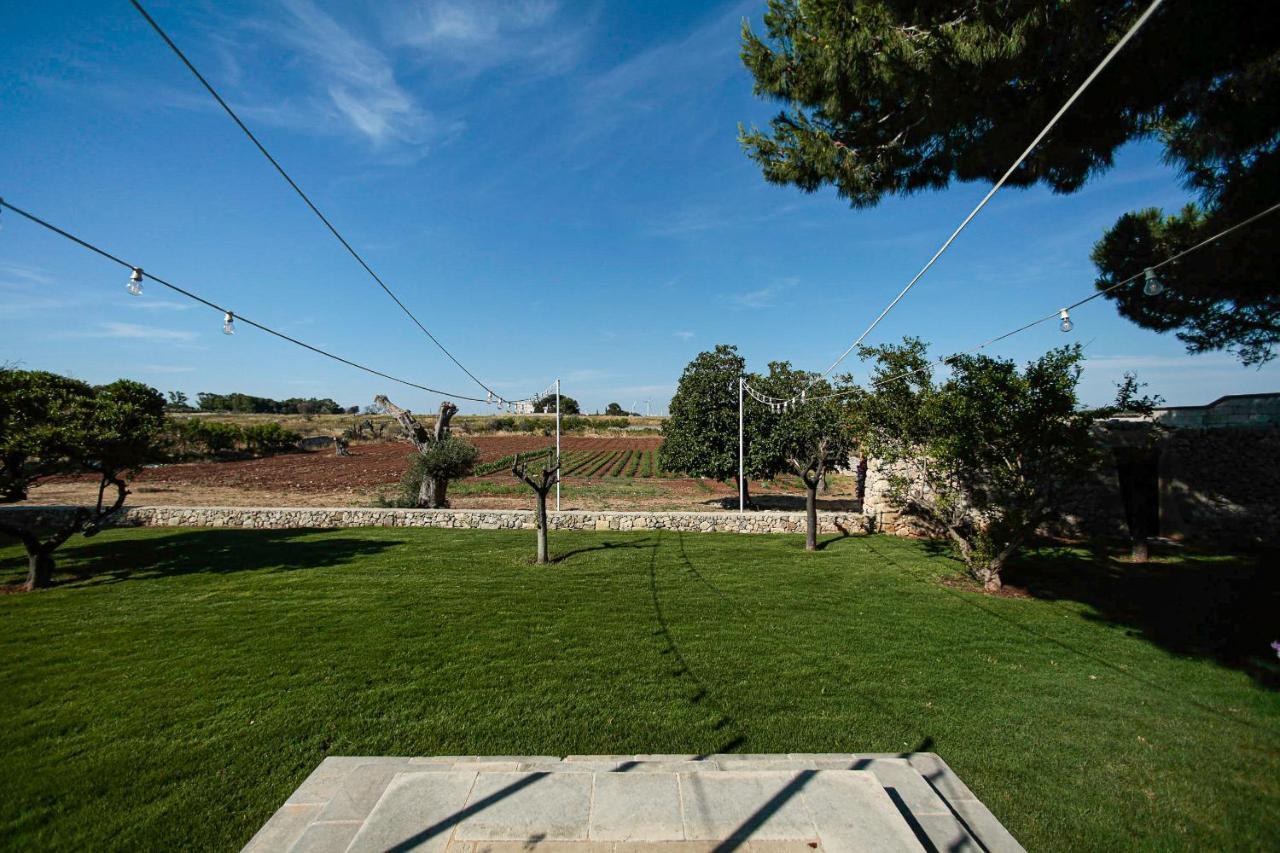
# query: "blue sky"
556,189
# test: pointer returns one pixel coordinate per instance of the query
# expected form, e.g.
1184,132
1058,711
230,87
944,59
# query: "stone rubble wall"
1216,486
466,519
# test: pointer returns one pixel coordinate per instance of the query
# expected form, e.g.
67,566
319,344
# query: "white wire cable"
1106,60
1055,314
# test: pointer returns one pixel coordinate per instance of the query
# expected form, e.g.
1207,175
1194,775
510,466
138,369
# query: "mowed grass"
174,694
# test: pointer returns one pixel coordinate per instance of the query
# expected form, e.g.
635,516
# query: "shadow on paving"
100,561
1221,608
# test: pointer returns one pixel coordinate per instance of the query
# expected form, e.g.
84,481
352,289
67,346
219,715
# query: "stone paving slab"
672,803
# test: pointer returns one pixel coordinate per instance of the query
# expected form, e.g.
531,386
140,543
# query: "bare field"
324,479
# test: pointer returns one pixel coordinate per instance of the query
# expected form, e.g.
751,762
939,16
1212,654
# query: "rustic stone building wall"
1215,486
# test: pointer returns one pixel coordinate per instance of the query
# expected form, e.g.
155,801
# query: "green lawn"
174,694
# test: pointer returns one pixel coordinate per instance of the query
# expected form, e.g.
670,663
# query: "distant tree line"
247,403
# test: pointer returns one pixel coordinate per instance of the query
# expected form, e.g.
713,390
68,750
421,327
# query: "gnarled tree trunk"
432,492
41,543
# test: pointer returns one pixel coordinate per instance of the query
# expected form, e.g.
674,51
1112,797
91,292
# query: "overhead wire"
297,189
943,360
1106,60
226,311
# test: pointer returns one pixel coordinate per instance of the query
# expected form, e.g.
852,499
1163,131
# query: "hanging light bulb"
229,324
1066,325
489,397
1151,285
135,281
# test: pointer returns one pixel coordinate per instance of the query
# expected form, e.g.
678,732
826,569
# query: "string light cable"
297,189
1151,286
1106,60
137,274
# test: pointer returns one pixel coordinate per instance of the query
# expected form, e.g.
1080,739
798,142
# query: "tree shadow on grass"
1202,605
1190,602
101,561
603,546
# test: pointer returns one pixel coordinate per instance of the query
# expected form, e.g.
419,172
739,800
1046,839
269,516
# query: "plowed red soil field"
322,478
369,465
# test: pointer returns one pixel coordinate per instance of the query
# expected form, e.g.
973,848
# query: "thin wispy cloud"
655,79
358,79
469,38
166,368
761,297
684,336
133,331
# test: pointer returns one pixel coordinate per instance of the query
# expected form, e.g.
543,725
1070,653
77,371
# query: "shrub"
269,438
449,459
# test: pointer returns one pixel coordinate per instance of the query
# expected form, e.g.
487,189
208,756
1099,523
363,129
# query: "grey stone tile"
358,790
984,826
567,766
442,759
940,776
645,807
853,813
283,828
329,774
543,847
663,757
569,758
667,767
485,766
525,806
326,837
420,808
666,846
947,834
765,805
796,846
733,762
905,785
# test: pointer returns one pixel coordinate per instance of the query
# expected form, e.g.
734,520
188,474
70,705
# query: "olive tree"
441,457
51,424
984,455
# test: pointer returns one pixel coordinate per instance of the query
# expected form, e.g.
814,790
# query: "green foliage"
1221,297
51,424
887,98
811,434
615,409
547,405
249,404
1130,399
269,438
448,459
700,438
983,456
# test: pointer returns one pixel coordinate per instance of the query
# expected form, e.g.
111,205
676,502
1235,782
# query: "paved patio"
624,803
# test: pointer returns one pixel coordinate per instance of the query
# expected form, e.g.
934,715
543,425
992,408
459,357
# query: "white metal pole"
557,445
742,490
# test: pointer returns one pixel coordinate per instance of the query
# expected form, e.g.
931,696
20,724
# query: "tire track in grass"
701,690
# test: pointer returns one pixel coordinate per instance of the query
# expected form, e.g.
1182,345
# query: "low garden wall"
467,519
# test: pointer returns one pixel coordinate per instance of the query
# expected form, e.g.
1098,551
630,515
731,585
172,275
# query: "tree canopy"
52,424
547,405
885,97
700,437
982,456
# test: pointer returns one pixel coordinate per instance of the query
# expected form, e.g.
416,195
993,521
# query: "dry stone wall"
467,519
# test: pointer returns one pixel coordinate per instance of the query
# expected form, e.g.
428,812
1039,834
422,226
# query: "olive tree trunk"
432,493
